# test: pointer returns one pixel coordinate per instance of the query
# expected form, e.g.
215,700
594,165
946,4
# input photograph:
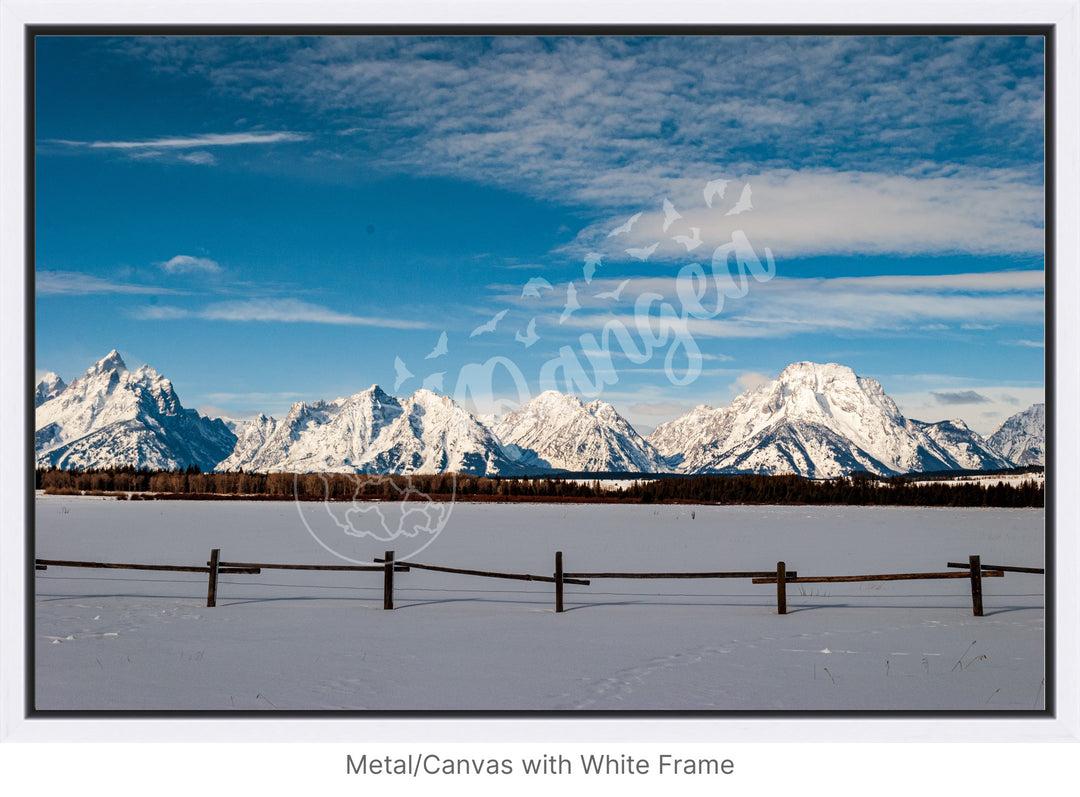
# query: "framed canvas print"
563,373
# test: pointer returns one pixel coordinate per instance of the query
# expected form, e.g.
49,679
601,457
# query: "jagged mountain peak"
819,420
1022,437
424,395
816,374
51,379
110,362
111,416
561,432
48,387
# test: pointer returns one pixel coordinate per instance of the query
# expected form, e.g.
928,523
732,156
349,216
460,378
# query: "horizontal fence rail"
401,568
746,574
791,579
973,570
44,564
491,574
1005,568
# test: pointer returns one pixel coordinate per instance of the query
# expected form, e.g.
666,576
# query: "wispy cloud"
190,142
615,122
783,307
200,158
160,312
749,381
186,264
817,212
178,149
289,311
74,283
960,397
990,404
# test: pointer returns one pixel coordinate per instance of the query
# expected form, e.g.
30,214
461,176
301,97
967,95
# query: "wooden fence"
973,570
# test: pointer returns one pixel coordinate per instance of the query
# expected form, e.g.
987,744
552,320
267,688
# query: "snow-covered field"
1010,479
118,640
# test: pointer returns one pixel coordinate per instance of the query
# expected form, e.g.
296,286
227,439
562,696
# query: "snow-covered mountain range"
815,420
819,421
113,416
559,432
371,432
1022,438
49,387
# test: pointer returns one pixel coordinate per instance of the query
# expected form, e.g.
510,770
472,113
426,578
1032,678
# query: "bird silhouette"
534,285
530,337
571,302
743,204
714,188
670,214
490,325
625,227
440,348
592,260
401,373
691,242
434,382
615,294
643,254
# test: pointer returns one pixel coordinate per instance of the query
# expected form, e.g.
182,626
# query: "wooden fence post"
975,563
558,582
388,580
781,588
211,591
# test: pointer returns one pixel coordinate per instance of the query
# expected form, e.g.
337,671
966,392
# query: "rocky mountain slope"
816,420
111,416
1022,438
819,421
560,432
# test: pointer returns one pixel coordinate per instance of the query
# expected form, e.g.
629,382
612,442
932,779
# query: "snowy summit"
814,420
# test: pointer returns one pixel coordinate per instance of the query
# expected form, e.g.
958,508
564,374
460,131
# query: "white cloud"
175,149
186,264
996,403
74,283
156,312
616,122
289,311
818,212
749,381
200,158
783,307
190,142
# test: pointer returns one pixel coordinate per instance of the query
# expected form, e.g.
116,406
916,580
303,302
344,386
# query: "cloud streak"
190,142
186,264
288,311
74,283
783,307
827,212
960,397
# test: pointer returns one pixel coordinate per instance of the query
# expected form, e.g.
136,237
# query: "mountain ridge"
814,420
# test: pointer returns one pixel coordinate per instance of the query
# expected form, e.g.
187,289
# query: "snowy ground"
1010,479
118,640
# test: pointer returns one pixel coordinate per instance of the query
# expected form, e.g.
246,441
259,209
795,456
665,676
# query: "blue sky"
266,220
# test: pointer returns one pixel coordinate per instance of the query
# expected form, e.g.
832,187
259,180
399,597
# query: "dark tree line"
128,482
